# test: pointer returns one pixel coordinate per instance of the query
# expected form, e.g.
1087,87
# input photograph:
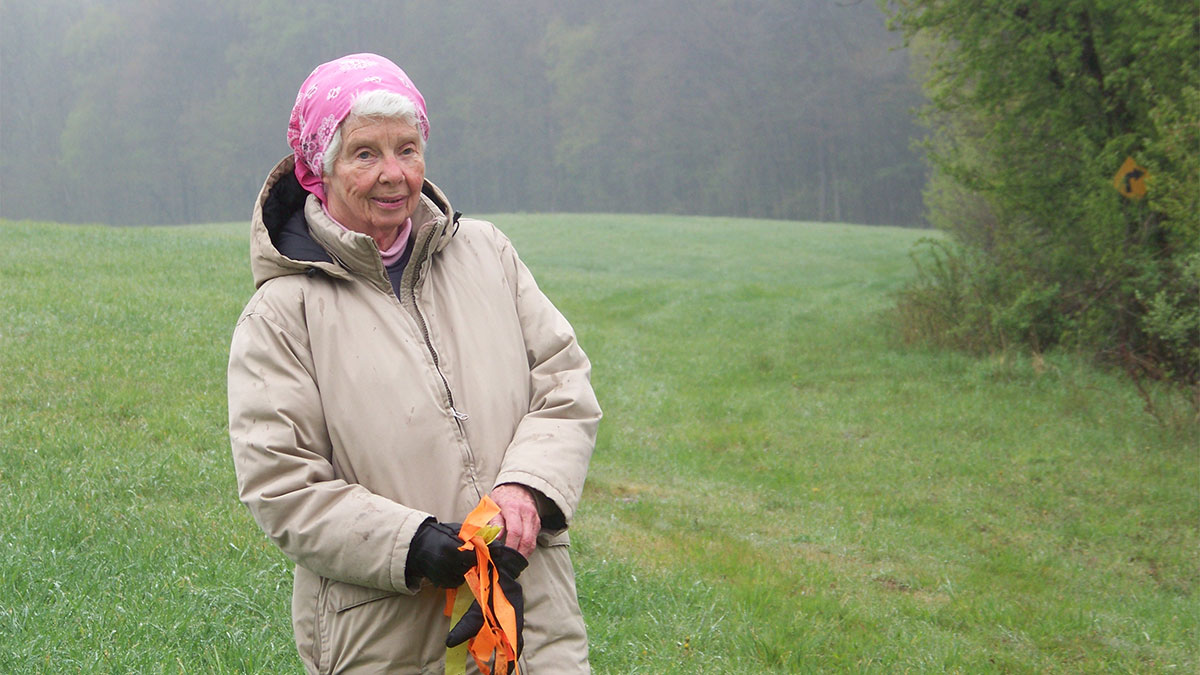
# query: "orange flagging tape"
498,637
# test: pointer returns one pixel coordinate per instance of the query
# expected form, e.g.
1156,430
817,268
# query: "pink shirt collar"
396,250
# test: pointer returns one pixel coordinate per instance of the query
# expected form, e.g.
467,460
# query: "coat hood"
291,234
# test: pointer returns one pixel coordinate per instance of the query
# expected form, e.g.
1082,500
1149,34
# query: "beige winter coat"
355,415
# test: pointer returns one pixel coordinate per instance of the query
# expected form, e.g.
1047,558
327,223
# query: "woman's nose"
392,170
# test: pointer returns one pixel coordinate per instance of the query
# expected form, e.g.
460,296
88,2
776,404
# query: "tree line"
172,111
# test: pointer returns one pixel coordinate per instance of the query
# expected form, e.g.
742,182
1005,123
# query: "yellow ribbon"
457,604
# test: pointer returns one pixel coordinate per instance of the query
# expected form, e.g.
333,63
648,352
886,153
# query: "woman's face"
376,179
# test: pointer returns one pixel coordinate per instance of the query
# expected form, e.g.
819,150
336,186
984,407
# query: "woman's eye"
364,155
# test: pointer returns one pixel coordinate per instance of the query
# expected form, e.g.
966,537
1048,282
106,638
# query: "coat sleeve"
553,442
282,457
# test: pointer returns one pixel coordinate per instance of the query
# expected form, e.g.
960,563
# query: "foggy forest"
166,111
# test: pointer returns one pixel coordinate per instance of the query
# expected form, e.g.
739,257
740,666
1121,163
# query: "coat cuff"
404,535
553,506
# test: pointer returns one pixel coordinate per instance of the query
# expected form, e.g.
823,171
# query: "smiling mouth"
391,201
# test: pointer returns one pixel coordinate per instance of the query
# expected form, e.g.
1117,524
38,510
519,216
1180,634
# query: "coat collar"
352,253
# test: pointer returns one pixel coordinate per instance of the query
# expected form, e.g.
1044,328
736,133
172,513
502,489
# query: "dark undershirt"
396,269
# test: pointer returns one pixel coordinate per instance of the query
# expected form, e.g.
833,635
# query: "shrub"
1032,109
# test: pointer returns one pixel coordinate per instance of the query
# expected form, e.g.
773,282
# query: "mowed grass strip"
779,486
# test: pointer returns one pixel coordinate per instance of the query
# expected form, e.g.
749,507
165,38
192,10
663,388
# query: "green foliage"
957,301
1033,108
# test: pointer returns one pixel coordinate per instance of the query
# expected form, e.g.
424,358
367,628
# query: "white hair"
380,104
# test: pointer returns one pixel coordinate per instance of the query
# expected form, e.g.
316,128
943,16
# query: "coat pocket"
331,650
550,539
341,596
363,627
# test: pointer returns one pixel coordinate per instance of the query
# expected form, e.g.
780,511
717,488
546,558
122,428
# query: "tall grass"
779,484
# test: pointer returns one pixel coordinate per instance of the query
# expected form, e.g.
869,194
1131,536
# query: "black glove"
434,554
509,565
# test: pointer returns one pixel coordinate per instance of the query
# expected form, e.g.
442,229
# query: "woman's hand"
518,516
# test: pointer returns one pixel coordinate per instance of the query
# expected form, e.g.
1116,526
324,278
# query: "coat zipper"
459,416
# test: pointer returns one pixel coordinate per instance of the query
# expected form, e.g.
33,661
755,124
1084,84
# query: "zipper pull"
460,416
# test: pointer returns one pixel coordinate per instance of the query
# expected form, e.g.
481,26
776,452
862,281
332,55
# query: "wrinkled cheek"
357,195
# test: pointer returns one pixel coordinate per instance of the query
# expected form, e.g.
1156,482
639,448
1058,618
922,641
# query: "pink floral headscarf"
324,101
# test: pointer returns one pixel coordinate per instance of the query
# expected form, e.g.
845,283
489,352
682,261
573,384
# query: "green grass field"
779,485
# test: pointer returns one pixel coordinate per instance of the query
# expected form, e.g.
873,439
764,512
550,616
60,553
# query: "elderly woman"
396,364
